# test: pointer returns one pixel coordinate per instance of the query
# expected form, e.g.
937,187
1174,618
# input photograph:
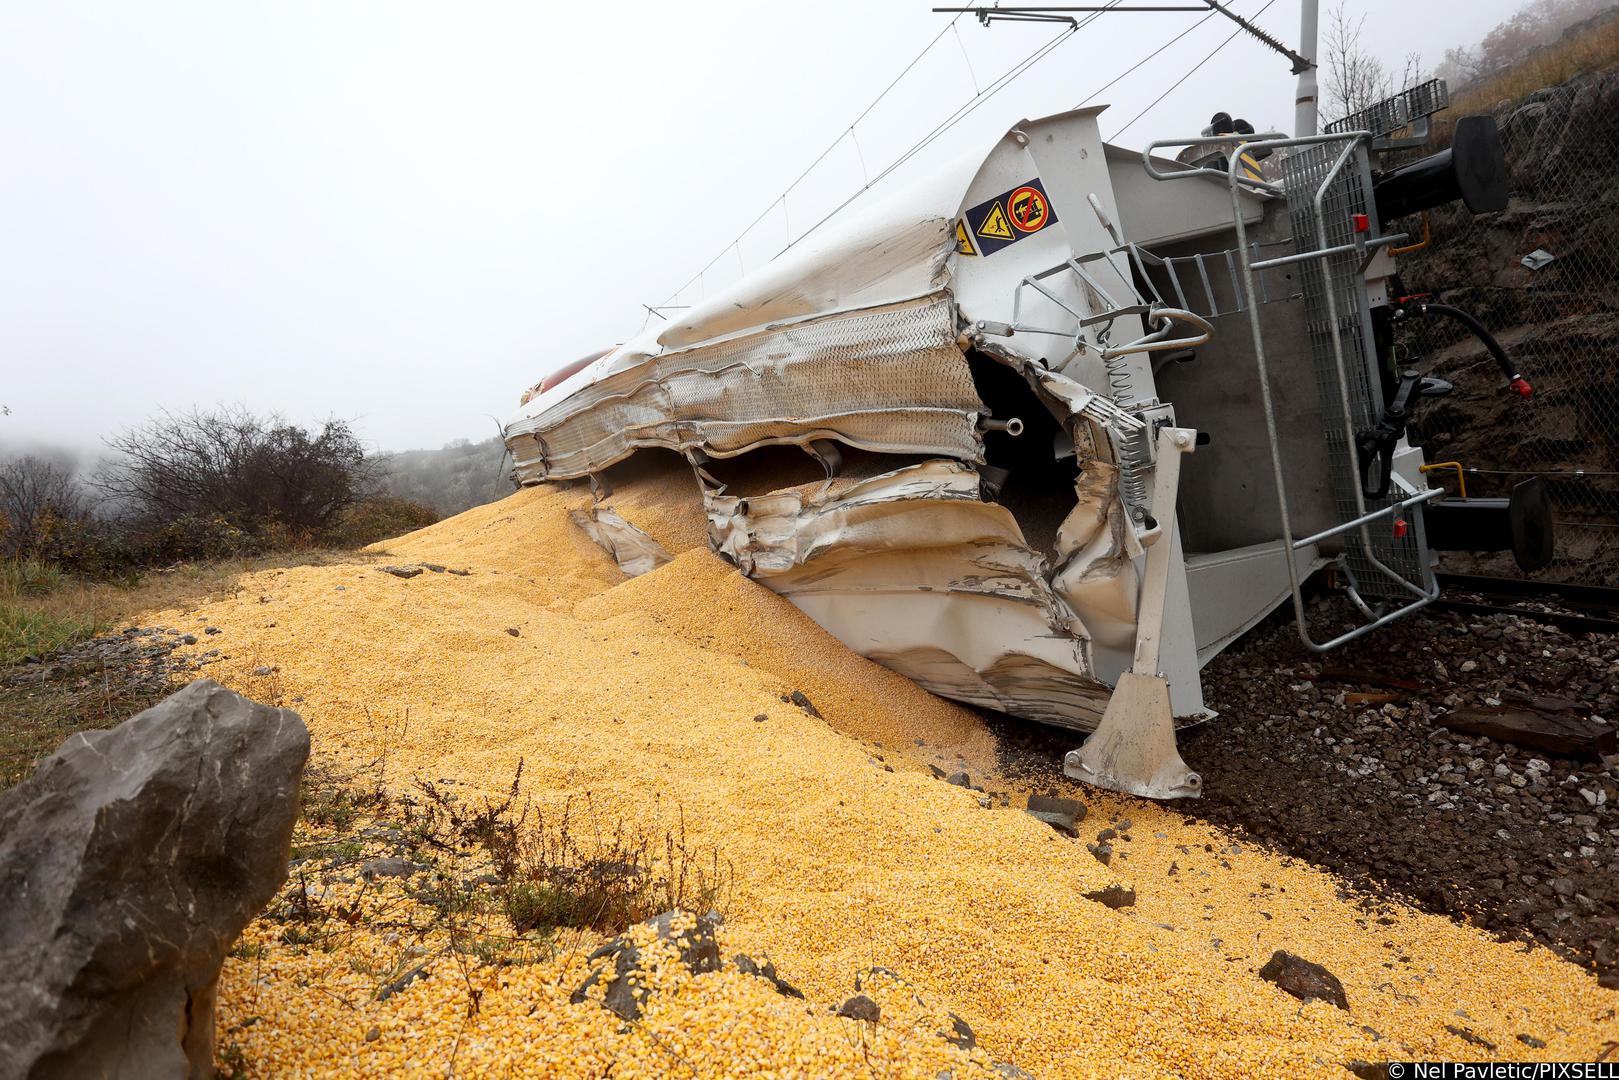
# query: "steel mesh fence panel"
1543,277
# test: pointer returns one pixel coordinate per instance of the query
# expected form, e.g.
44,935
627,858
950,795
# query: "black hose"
1477,328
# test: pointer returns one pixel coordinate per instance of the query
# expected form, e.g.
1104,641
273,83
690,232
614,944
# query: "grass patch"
1551,65
39,718
26,631
28,577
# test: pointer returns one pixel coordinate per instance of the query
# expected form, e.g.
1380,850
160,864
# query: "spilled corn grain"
644,693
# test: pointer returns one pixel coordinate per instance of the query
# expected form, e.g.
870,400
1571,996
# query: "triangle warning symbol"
964,243
995,225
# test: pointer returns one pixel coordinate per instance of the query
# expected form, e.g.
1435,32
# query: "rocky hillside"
1559,322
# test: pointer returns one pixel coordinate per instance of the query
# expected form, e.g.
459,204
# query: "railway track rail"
1580,609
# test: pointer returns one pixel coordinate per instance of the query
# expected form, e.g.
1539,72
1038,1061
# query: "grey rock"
797,697
129,863
861,1007
1532,1042
1368,1070
767,971
1303,979
1012,1072
960,1033
1114,896
1467,1035
372,869
388,991
1064,815
698,949
959,779
400,571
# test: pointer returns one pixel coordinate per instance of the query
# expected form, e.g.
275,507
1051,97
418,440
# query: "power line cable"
962,112
1176,84
1153,55
833,145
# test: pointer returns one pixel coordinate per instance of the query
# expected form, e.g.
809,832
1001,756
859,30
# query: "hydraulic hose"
1516,381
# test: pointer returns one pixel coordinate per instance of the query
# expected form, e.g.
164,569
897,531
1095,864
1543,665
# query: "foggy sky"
406,213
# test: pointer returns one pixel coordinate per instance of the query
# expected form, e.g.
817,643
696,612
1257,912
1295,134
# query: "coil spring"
1134,460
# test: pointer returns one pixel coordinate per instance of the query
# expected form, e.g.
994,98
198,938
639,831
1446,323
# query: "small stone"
210,629
760,718
374,1034
1532,1042
262,671
1114,896
959,779
960,1033
860,1007
1469,1036
1064,815
372,869
400,571
513,631
798,698
1303,979
417,972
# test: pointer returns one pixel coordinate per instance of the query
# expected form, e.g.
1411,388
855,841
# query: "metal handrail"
1267,187
1424,596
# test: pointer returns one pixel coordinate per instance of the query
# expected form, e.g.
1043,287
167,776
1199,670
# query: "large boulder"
129,863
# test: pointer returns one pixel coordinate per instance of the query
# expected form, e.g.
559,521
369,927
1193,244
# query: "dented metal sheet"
913,569
633,550
889,379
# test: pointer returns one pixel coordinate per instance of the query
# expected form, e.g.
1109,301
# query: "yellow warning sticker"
964,242
995,226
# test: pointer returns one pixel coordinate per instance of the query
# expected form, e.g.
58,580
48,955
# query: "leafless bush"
42,508
574,867
1355,78
257,473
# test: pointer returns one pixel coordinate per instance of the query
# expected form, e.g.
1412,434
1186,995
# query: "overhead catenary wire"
981,95
1193,70
833,145
962,112
1152,54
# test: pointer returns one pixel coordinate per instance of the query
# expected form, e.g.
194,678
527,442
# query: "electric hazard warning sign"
1005,219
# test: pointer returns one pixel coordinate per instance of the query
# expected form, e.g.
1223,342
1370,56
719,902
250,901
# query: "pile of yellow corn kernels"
845,852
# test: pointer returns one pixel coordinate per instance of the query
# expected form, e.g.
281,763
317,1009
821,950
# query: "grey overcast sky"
404,213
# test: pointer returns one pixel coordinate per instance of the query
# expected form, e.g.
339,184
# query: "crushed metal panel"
912,569
889,379
633,550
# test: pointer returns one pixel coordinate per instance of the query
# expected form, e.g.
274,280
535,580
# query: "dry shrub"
380,517
575,866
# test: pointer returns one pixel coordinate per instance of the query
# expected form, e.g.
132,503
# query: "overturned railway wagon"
1064,420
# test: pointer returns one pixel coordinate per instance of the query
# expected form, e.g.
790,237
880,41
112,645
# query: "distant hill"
456,477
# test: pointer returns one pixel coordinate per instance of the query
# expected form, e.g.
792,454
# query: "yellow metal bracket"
1427,235
1461,478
